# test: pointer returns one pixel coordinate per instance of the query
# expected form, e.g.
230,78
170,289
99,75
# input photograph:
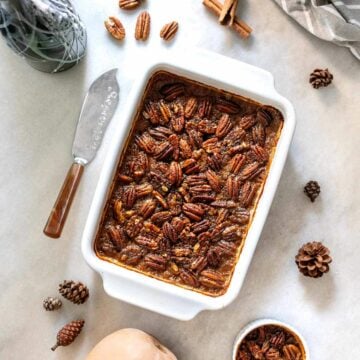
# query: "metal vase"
47,33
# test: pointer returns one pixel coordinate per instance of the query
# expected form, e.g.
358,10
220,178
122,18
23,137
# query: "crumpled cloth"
337,21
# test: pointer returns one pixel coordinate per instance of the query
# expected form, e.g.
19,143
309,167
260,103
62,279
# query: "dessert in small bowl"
270,340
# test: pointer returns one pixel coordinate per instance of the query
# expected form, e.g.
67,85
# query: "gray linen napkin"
337,21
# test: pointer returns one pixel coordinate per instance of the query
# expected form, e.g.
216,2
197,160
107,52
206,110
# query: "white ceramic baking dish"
223,73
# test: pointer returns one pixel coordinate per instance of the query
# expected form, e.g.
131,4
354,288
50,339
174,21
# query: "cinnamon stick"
243,29
228,12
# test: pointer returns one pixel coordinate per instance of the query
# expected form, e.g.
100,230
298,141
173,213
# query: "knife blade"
98,109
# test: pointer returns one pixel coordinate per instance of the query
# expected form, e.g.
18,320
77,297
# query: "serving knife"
97,110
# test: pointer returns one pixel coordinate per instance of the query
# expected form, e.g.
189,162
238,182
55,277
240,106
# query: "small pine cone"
51,304
313,259
76,292
320,78
312,190
68,333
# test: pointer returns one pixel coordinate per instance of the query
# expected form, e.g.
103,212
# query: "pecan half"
199,264
175,173
147,208
193,211
213,180
168,31
260,153
211,145
247,121
165,112
129,197
163,151
160,133
190,107
125,179
264,117
248,192
161,216
215,161
233,187
227,106
151,113
224,126
174,142
189,278
115,28
205,107
146,143
142,28
179,224
237,162
214,257
251,171
226,248
240,216
201,226
185,149
291,352
222,215
190,166
129,4
117,209
212,279
206,127
117,236
155,262
172,91
224,204
258,134
178,123
160,199
147,242
131,255
170,232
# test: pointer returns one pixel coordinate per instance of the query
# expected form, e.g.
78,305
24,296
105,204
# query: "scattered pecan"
151,113
213,180
142,28
168,31
117,236
170,232
175,173
129,4
233,187
147,209
237,162
165,112
189,278
115,28
248,192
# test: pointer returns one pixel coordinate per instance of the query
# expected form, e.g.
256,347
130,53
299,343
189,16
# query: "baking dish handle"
151,298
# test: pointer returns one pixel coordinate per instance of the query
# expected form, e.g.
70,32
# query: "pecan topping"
142,28
169,30
227,106
291,352
129,4
205,107
188,183
193,211
190,107
224,126
115,28
172,91
155,262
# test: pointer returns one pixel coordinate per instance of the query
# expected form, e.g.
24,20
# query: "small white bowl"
261,322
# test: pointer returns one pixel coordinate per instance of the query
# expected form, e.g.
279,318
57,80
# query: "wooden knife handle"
59,212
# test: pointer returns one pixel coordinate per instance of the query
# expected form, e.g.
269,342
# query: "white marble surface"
38,116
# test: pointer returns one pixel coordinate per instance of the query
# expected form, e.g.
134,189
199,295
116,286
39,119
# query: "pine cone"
75,292
51,304
68,333
320,78
312,190
313,259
